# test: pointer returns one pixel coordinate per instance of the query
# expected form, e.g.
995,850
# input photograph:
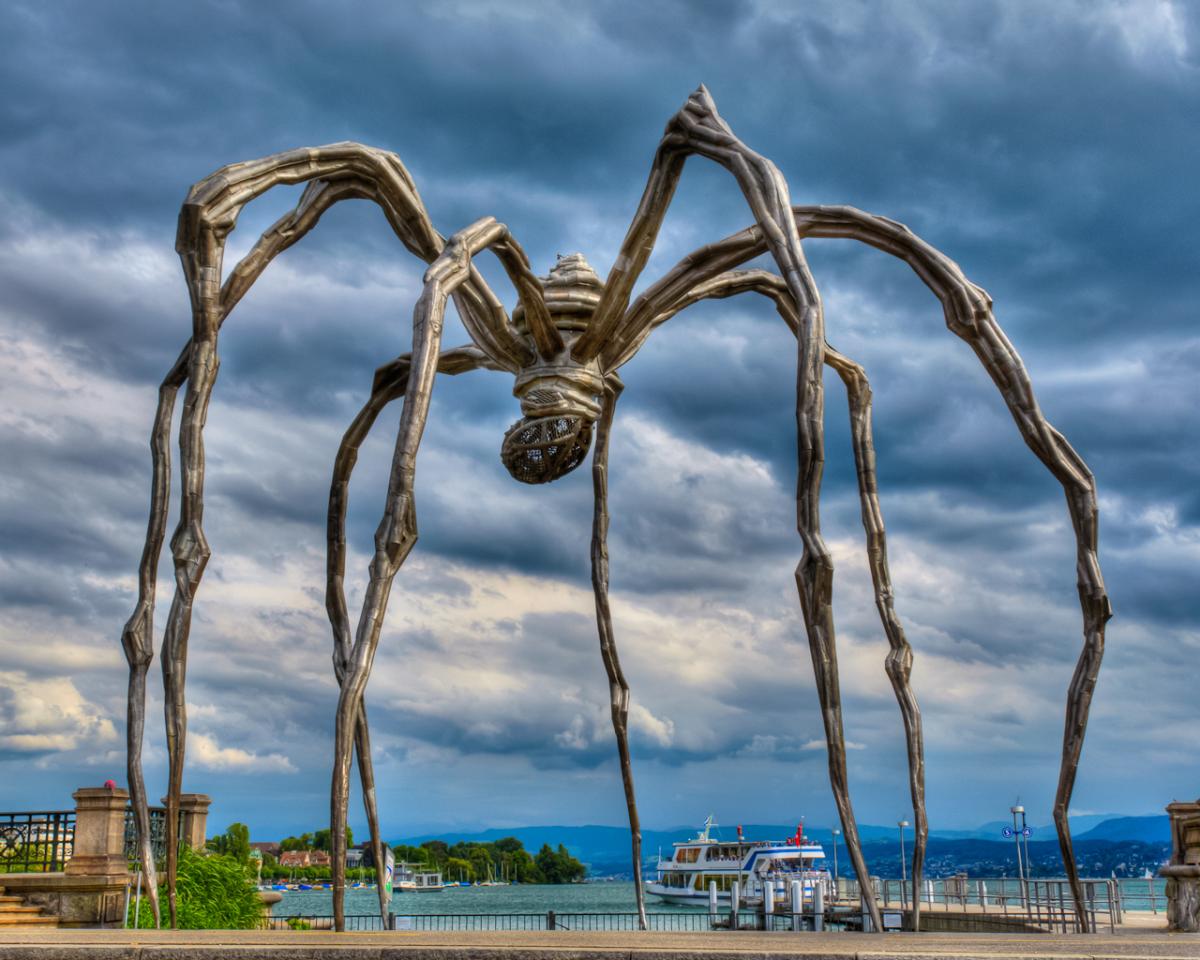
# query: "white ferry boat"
758,866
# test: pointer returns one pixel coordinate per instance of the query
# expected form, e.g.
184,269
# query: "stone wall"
1183,872
91,890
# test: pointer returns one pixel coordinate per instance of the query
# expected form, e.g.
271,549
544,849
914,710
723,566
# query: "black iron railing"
38,841
368,921
680,921
158,834
1042,918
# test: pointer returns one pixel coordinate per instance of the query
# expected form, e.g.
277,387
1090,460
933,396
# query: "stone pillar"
193,814
194,808
99,847
1183,872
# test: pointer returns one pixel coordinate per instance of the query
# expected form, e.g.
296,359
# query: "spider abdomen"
542,449
559,396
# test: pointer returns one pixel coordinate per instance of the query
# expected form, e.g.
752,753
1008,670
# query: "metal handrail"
36,841
158,833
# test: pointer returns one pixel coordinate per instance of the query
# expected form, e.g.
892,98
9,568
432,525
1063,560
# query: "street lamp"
1026,833
836,833
903,867
1017,831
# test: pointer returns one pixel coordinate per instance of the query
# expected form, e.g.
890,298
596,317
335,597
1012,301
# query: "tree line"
471,861
504,859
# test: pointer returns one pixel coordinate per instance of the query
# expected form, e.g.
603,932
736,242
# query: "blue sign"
1007,833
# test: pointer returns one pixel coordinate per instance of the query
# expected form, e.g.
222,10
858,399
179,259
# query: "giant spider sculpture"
565,342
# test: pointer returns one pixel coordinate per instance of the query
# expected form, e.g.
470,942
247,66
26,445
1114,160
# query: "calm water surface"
616,897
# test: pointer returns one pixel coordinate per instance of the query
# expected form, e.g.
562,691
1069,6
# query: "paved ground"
566,945
1144,920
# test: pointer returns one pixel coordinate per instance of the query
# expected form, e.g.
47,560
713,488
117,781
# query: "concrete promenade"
567,945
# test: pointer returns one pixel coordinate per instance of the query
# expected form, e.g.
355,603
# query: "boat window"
722,881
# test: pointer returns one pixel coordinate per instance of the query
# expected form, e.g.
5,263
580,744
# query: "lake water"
535,900
615,897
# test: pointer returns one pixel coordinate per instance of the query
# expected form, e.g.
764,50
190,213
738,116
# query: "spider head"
560,396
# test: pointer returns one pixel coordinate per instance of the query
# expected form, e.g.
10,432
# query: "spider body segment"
566,339
561,398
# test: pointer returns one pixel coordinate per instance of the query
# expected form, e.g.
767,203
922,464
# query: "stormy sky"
1050,149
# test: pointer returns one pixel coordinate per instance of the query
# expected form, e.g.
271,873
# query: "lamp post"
1026,833
836,882
1020,866
903,867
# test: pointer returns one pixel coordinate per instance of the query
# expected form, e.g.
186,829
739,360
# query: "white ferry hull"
680,895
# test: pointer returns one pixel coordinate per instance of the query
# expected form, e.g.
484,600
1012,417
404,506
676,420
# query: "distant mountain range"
1112,842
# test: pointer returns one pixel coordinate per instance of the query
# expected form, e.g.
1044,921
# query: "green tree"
437,851
233,843
522,867
558,866
320,839
481,862
406,854
302,842
459,869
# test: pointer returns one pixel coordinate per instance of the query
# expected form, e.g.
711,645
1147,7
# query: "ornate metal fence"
42,841
39,841
158,833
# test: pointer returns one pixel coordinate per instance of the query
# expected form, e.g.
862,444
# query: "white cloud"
207,754
1152,31
48,715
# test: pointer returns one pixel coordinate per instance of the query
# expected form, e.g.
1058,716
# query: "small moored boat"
408,880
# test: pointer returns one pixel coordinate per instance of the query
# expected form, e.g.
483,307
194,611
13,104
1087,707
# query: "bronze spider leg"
899,660
968,314
968,311
698,128
900,656
397,532
391,381
618,686
137,638
336,172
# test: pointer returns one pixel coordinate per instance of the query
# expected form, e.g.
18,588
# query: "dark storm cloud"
1049,150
